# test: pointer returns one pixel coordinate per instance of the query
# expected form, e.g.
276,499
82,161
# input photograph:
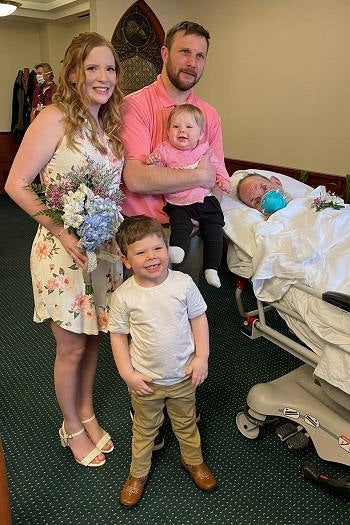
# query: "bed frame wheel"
249,426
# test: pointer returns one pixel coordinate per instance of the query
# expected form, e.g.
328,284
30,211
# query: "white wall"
24,44
60,36
16,53
282,80
277,71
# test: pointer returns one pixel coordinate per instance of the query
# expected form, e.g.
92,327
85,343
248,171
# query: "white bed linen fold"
300,244
326,331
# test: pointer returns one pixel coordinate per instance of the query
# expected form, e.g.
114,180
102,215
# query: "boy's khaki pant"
179,400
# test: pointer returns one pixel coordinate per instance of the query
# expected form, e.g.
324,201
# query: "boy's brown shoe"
132,491
201,475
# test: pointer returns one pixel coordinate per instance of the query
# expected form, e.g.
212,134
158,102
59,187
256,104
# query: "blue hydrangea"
99,223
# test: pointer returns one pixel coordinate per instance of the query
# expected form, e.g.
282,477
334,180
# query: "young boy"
184,149
164,313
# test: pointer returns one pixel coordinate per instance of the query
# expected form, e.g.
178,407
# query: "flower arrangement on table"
87,201
328,200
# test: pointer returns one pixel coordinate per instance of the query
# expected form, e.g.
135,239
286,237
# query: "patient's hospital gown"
58,284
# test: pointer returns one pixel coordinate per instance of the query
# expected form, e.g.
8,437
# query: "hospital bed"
294,261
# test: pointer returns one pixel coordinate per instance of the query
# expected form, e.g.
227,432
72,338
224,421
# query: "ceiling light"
7,8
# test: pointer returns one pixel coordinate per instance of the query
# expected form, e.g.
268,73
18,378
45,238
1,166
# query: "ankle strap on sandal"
89,419
70,436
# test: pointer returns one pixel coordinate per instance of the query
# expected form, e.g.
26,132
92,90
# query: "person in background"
164,313
184,149
82,122
44,89
144,119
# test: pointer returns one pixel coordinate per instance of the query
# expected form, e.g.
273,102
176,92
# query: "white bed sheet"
326,332
252,254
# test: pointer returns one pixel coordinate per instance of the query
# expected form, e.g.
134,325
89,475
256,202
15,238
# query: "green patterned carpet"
259,480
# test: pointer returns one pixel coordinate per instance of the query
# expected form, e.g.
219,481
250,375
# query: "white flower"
74,204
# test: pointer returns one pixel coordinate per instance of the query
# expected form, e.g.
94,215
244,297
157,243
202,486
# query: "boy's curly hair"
135,228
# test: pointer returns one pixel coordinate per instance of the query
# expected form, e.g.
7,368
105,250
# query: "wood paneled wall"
5,509
8,149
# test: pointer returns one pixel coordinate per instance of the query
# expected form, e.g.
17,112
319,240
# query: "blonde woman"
82,122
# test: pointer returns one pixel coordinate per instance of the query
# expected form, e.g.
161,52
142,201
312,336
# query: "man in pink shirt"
144,117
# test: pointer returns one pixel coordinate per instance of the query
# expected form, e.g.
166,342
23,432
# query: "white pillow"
291,186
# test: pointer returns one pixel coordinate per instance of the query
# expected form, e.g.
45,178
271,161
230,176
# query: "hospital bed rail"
256,325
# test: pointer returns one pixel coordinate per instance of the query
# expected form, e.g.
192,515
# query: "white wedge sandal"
87,461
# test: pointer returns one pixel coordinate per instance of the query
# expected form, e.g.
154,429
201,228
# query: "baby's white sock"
211,276
176,254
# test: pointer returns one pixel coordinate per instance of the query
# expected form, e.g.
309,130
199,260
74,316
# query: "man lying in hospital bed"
294,251
297,244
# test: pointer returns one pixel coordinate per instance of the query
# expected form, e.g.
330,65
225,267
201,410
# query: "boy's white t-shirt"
157,319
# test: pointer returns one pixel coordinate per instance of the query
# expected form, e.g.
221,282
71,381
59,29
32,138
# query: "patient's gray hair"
245,177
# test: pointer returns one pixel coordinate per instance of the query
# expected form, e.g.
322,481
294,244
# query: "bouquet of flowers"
328,200
87,200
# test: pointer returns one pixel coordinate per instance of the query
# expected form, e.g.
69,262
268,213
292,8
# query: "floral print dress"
58,284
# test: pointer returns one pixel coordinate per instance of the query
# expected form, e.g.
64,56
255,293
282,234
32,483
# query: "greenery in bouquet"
87,201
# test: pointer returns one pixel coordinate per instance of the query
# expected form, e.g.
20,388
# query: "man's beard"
180,84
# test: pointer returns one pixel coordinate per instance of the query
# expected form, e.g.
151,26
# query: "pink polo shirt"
144,116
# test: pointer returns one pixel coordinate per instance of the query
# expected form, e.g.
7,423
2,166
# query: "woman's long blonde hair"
72,100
